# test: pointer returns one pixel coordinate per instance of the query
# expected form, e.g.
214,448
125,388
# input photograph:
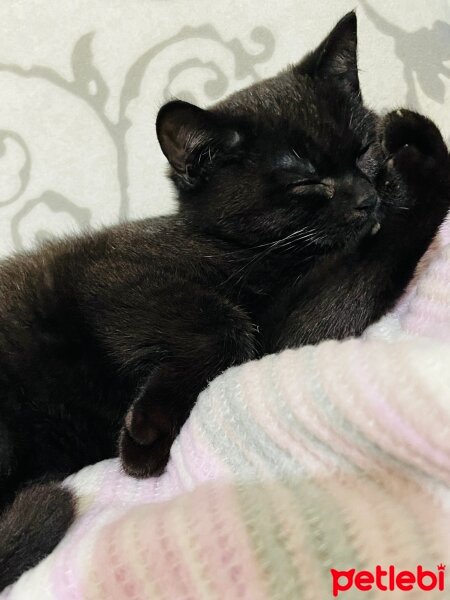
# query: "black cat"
301,217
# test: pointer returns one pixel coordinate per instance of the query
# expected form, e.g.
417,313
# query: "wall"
81,82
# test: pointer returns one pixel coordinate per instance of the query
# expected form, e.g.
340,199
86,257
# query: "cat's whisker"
286,242
250,248
393,207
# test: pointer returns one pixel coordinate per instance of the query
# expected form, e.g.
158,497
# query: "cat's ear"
335,59
192,139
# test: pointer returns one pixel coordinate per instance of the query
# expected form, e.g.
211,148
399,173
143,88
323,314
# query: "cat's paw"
150,427
413,144
144,460
147,420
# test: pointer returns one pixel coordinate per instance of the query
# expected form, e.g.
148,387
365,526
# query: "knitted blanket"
291,471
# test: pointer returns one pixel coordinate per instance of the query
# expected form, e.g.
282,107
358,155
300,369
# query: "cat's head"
290,154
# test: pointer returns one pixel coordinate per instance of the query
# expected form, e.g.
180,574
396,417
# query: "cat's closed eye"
311,186
301,181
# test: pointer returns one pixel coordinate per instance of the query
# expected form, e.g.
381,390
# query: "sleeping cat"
302,216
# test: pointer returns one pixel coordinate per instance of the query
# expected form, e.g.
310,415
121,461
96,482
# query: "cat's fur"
280,187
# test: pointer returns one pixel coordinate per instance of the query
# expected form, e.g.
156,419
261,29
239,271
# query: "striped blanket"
334,457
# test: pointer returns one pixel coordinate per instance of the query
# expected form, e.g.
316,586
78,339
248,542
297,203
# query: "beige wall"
81,82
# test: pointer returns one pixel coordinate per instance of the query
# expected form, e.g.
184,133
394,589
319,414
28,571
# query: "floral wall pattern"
81,83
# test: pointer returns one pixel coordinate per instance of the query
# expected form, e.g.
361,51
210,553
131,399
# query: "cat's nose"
367,201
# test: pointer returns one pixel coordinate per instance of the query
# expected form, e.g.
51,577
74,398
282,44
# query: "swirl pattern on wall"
77,143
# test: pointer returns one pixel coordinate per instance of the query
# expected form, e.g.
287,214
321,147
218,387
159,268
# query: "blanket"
291,472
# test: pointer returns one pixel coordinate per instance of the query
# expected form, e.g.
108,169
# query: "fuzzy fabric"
334,456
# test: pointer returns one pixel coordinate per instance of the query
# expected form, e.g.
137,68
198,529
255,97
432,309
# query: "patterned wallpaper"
81,82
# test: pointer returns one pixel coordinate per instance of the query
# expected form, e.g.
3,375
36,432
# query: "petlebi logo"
388,579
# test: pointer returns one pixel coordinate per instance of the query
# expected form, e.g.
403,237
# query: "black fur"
32,527
112,335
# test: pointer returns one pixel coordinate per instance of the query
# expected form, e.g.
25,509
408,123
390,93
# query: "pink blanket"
328,457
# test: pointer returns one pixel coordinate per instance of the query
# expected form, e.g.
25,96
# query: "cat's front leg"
417,159
209,335
414,189
155,418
